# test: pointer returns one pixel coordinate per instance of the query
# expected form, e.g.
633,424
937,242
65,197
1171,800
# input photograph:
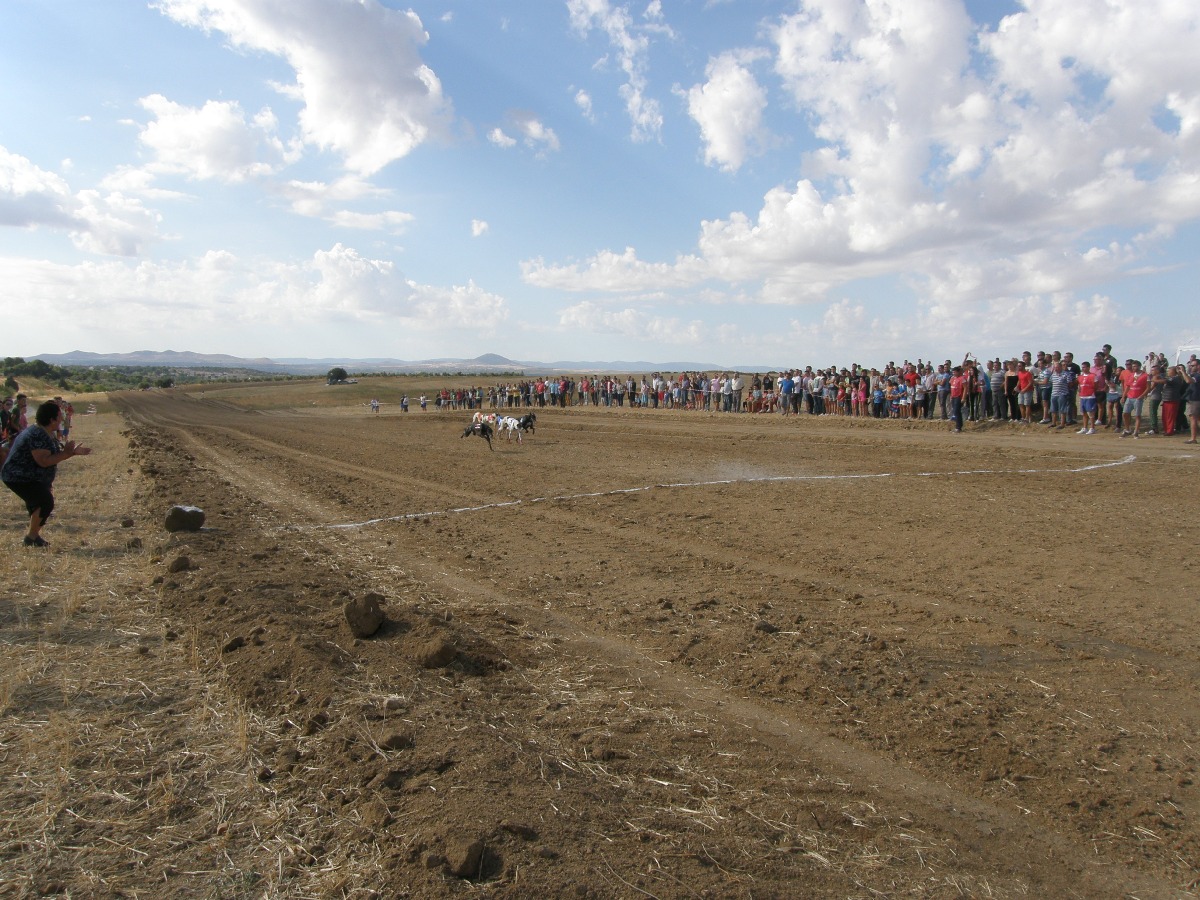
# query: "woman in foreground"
32,464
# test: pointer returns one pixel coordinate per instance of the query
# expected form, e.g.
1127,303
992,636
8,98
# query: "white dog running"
510,426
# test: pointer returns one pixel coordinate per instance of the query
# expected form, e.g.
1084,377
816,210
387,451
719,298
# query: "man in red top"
958,395
1025,392
1134,384
1087,398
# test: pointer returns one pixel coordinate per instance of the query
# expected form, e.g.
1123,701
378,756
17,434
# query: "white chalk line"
691,484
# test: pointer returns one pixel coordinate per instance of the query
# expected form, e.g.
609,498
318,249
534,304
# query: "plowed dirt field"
654,653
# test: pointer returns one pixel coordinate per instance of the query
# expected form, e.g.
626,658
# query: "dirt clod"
464,857
435,653
365,615
184,518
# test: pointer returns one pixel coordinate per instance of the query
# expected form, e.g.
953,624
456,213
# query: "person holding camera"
1192,396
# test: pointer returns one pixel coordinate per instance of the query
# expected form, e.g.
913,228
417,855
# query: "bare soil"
660,654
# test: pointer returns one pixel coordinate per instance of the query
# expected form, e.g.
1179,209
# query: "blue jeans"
956,412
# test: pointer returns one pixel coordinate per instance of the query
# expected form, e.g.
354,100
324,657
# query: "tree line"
98,379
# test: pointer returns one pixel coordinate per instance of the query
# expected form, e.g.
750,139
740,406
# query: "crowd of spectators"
1049,389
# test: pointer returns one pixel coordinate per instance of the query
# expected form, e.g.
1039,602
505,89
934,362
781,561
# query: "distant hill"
488,362
181,358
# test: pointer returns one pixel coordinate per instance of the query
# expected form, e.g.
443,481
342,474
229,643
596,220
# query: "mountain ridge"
487,362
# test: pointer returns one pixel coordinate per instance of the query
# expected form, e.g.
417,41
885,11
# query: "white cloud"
590,318
631,43
219,289
500,139
114,224
392,221
608,271
139,181
970,169
105,223
583,100
366,93
30,196
315,199
478,228
729,109
535,134
312,198
460,306
211,142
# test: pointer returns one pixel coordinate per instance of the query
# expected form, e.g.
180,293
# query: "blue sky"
739,183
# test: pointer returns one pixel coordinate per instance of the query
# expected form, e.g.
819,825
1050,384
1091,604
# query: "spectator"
1114,397
1134,385
1173,388
1192,396
1087,398
1158,378
943,390
1071,368
958,393
997,408
1012,407
1042,378
1060,395
1025,392
8,426
31,465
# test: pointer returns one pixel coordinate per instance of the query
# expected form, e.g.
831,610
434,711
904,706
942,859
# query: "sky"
734,182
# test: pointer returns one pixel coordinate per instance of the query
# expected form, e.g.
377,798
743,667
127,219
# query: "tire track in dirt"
753,564
975,822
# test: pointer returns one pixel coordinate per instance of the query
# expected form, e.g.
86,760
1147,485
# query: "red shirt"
958,385
1024,381
1135,383
1087,385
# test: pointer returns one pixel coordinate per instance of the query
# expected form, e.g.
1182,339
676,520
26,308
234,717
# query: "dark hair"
47,413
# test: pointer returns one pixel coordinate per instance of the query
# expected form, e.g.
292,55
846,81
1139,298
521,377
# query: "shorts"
1087,404
1133,406
36,494
1060,403
1025,398
1114,396
1193,409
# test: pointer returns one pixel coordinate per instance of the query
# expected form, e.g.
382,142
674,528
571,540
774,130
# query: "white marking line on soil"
690,484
